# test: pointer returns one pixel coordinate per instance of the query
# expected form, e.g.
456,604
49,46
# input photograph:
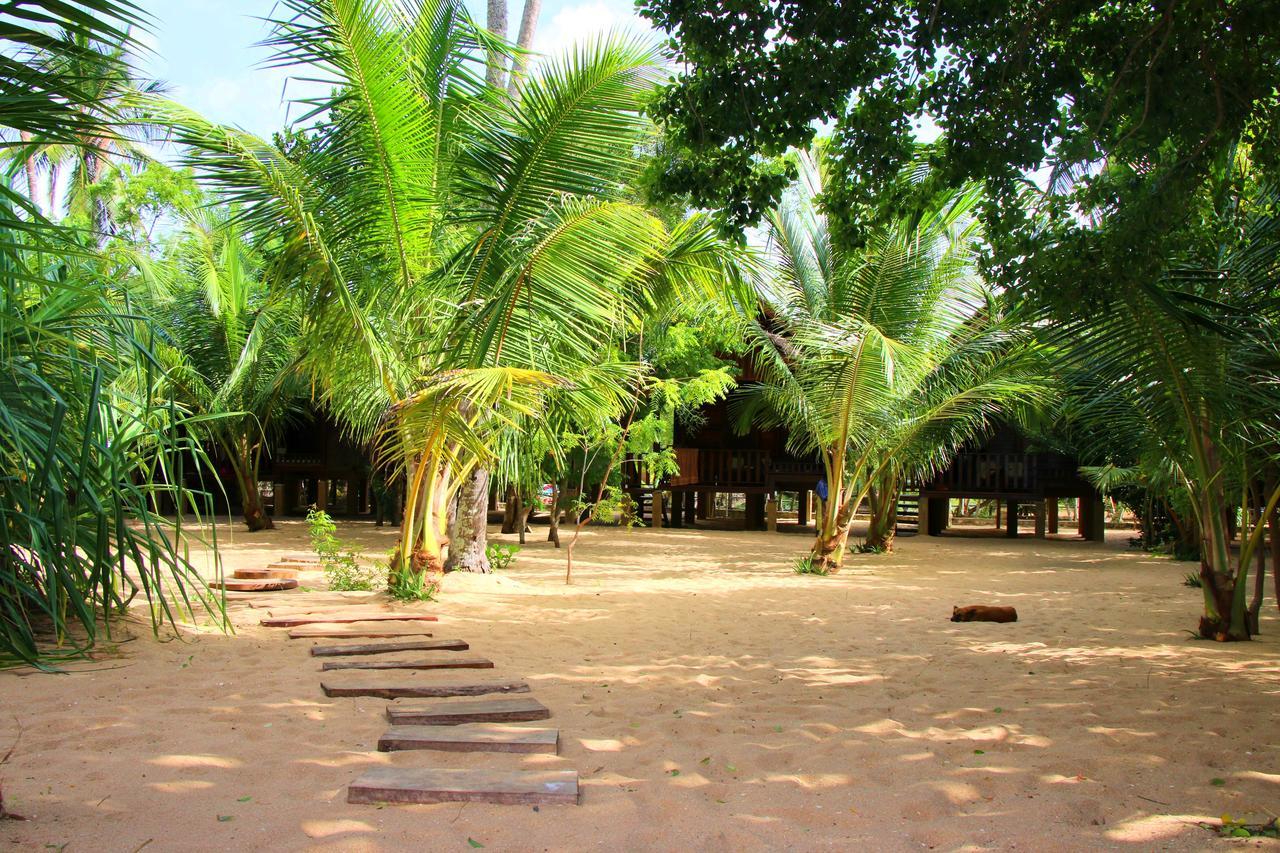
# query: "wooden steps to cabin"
383,648
426,662
420,690
431,785
523,709
471,737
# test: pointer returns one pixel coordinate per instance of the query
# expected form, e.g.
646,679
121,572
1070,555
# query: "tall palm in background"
99,61
230,349
883,360
459,254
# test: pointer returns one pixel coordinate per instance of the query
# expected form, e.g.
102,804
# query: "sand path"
711,700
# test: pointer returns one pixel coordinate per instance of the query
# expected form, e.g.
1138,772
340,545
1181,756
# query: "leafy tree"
1126,107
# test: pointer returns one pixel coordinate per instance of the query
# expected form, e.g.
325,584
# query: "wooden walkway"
449,726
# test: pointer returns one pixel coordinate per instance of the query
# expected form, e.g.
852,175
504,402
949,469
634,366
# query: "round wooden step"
263,574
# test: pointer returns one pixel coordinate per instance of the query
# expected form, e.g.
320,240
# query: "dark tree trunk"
255,517
526,507
511,510
468,529
553,533
1220,588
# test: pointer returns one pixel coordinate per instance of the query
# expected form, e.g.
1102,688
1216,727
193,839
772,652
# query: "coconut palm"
1191,364
459,254
231,350
883,360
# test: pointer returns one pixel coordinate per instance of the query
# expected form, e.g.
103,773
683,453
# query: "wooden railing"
990,472
724,469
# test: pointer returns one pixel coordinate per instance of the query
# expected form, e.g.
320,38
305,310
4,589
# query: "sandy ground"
711,700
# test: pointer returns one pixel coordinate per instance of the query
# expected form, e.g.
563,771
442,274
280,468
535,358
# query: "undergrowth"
340,562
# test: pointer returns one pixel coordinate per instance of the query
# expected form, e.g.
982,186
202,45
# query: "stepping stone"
381,648
517,710
428,785
294,567
263,574
422,690
373,629
289,620
440,662
264,585
471,737
299,558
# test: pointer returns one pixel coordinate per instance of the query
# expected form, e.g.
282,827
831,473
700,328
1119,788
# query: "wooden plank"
438,662
429,785
381,648
356,629
471,737
338,617
409,690
267,585
261,574
515,710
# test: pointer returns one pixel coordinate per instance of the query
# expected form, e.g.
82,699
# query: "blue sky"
204,50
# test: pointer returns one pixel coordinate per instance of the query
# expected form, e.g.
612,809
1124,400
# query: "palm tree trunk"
468,533
528,24
33,180
496,22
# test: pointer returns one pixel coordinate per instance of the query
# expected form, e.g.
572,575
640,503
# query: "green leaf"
223,818
473,842
1217,782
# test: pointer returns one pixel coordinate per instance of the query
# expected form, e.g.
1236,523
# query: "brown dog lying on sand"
983,613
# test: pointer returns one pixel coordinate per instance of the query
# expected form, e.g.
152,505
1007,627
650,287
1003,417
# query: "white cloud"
584,21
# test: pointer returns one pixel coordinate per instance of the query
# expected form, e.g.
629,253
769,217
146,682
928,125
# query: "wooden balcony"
1009,474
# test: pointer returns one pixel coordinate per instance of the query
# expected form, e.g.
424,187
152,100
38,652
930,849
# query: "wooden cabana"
1005,469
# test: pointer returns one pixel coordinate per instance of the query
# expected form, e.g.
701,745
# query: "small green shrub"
1193,580
805,566
500,554
341,564
411,587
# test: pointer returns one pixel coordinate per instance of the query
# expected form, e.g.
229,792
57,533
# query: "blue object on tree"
821,488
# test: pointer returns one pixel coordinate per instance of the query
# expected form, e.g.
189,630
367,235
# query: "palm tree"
1190,363
231,349
460,255
882,360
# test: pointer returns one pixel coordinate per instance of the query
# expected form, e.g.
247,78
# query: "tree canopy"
1116,107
